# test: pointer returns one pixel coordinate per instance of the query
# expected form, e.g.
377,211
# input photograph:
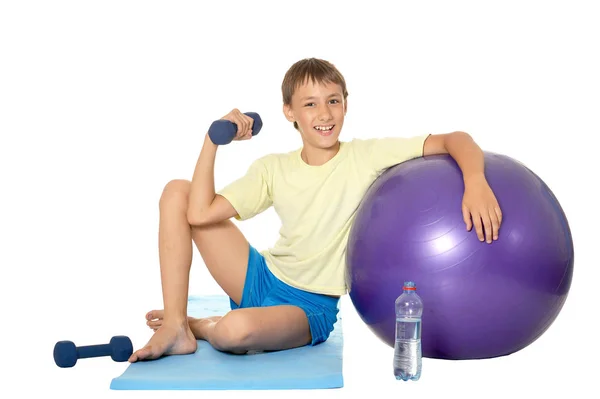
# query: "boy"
287,296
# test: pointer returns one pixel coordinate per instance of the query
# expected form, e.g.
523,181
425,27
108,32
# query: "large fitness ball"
480,300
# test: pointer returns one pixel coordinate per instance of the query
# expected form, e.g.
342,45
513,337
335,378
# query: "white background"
102,103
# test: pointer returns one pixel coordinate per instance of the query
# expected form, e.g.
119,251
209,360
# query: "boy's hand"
244,124
480,208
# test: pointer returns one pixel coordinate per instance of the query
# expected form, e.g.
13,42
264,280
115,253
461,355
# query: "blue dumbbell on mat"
222,131
66,353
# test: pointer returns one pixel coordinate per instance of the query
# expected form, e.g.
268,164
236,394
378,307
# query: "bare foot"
197,325
168,340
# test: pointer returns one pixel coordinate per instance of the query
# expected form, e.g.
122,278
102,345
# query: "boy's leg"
225,252
268,328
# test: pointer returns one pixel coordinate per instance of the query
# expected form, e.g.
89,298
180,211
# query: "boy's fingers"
487,226
239,121
467,217
250,123
495,224
498,213
242,128
478,226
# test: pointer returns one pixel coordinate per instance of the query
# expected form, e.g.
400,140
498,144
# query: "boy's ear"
288,113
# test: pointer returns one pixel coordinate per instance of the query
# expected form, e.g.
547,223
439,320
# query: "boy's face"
317,108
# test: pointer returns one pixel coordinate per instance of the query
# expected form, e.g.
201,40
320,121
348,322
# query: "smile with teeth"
324,130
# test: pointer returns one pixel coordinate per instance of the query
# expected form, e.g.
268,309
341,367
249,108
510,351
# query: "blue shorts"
262,288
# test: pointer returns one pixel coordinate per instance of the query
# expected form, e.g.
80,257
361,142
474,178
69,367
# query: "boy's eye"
306,105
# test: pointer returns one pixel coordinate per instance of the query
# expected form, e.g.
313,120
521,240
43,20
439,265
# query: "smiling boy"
287,296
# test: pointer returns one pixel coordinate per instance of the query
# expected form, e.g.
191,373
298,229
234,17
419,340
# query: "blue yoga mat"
308,367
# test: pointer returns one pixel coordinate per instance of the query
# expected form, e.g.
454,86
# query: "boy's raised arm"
204,206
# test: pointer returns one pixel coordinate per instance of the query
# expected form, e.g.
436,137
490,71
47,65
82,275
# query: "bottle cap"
410,286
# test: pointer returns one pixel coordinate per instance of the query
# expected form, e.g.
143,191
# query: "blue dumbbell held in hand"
222,131
66,353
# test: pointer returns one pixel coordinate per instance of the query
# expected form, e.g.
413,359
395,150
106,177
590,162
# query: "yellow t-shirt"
316,205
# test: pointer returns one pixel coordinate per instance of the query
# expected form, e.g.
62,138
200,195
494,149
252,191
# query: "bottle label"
406,355
408,349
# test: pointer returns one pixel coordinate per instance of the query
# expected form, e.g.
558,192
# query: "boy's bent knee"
176,191
233,333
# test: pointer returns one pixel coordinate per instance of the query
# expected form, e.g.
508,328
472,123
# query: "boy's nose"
325,115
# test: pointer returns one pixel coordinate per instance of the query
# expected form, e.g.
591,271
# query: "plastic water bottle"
407,348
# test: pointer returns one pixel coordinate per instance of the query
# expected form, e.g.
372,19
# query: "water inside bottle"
408,328
407,349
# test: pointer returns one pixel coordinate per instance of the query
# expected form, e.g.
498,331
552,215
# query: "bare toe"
168,340
155,314
141,354
154,324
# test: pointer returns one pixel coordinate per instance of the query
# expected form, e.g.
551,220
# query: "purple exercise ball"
480,300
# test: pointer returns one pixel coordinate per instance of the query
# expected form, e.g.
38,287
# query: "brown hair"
319,71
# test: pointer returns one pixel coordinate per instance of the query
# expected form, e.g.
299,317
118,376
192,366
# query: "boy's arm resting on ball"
462,148
480,207
204,205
